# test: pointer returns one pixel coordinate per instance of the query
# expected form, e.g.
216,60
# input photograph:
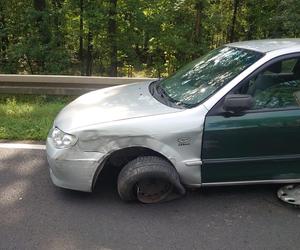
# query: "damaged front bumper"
72,168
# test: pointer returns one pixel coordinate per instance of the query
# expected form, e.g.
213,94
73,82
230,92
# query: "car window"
288,65
278,86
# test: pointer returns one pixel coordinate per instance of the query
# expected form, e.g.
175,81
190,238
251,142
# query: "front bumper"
72,168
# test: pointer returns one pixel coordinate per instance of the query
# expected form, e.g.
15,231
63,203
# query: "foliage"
28,117
125,36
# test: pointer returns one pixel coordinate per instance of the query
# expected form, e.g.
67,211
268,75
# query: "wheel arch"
120,157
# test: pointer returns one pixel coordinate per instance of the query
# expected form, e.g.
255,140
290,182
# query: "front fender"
178,137
188,168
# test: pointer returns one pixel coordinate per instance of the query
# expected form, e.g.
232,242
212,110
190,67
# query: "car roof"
267,45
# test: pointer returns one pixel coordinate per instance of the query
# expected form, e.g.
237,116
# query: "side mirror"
237,103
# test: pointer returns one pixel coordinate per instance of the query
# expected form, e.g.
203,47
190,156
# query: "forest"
131,37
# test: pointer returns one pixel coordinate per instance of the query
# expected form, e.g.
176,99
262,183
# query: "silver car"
229,117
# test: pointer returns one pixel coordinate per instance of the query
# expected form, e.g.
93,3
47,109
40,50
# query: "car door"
261,144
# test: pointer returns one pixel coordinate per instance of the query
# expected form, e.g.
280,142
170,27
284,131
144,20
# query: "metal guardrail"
59,85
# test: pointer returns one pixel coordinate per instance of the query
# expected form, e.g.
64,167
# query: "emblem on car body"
183,141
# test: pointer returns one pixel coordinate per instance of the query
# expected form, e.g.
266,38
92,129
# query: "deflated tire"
150,179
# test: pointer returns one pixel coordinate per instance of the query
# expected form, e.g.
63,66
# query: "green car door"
262,143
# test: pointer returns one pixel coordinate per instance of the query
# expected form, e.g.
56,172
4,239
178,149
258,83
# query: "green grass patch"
29,117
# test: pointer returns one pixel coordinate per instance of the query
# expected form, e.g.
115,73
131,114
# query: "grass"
29,117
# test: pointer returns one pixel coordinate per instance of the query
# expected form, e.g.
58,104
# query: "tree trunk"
145,48
42,26
39,5
4,36
251,20
233,22
251,29
199,11
112,37
57,6
89,54
29,64
81,56
41,21
4,42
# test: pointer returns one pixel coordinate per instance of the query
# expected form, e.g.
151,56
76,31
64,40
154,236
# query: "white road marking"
22,146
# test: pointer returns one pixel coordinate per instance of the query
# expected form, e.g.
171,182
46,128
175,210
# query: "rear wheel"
149,179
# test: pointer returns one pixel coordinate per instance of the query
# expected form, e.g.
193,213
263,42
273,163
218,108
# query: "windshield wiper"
158,92
162,93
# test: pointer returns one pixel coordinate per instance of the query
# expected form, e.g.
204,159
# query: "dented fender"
182,147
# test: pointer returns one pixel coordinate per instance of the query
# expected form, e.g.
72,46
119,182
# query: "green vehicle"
230,117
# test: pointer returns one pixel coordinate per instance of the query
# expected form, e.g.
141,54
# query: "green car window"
201,78
275,87
287,66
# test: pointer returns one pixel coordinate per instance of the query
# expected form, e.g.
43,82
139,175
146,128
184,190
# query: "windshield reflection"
201,78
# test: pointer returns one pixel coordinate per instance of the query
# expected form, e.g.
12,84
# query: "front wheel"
149,179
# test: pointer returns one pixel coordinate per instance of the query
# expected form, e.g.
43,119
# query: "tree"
112,37
127,37
233,22
81,51
3,35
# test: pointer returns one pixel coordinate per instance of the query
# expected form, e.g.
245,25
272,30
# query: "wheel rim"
153,190
290,194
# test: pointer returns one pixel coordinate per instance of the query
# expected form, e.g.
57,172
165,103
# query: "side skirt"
250,182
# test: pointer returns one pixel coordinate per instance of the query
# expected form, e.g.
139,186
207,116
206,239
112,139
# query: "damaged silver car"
229,117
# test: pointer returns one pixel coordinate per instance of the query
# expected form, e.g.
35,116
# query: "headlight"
61,139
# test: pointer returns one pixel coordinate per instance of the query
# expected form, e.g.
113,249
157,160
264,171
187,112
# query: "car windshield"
201,78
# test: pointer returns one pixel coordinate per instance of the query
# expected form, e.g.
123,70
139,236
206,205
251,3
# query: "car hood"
111,104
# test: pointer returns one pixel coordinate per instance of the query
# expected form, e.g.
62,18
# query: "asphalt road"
36,215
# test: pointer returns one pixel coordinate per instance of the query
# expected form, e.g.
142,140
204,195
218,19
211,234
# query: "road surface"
36,215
